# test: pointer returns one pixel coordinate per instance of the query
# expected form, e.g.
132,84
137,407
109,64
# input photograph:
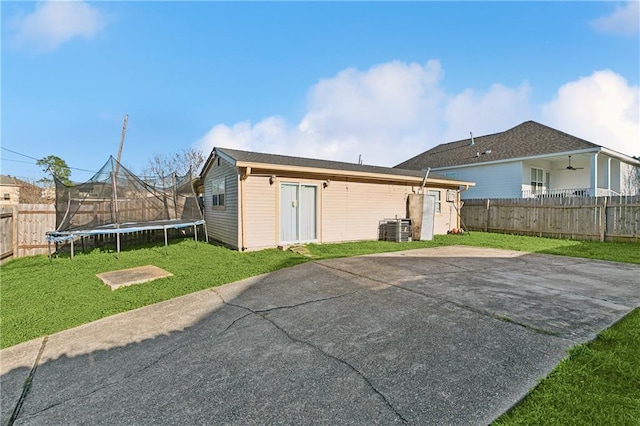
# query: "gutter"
511,160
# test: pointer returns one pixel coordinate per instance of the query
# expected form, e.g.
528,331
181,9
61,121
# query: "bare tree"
180,162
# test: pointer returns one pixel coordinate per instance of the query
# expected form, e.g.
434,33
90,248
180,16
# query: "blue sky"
328,80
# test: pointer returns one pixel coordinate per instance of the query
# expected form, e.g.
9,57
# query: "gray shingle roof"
525,140
285,160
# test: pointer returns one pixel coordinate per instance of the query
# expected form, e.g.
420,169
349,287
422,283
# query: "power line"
24,155
18,161
37,159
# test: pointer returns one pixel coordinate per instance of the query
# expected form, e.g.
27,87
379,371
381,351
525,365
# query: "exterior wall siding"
492,181
13,194
352,211
261,212
222,223
346,211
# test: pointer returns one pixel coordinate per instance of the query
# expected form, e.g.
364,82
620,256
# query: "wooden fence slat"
593,218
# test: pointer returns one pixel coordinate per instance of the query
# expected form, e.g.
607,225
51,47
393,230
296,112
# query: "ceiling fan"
570,167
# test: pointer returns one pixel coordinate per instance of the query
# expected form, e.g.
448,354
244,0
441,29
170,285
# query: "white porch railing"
550,193
602,192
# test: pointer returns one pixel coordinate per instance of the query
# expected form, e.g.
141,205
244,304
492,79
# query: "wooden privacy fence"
23,228
579,218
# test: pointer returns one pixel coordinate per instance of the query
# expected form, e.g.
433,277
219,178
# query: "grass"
39,297
598,384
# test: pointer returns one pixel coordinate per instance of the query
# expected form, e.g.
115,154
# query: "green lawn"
39,297
598,383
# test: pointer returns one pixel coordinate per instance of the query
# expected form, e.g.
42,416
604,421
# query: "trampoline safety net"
115,198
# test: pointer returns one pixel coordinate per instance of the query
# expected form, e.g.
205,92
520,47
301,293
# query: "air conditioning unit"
398,230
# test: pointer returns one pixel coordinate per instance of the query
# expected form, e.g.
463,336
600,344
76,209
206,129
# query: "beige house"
254,201
9,191
16,191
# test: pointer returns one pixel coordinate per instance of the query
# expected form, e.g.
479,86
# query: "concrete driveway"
450,335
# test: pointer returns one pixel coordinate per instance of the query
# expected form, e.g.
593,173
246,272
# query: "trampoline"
115,201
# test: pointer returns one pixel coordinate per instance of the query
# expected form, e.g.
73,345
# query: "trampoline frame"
124,228
116,227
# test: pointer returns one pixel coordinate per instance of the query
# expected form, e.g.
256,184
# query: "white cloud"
602,108
56,22
388,113
482,113
625,20
396,110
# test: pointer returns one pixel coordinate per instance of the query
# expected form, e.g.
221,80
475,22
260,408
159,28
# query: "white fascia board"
621,156
351,173
518,159
212,156
225,157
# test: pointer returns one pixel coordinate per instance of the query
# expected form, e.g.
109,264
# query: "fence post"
603,219
14,238
486,224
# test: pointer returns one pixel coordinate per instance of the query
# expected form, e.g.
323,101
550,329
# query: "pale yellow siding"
351,211
447,215
346,210
222,222
9,195
260,213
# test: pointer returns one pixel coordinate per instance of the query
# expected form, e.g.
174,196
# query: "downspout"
243,215
424,179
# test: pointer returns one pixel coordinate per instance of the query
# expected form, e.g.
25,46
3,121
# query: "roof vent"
472,142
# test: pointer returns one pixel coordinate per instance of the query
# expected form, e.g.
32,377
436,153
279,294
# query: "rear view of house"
254,200
532,160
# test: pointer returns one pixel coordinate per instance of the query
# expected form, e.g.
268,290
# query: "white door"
297,213
288,213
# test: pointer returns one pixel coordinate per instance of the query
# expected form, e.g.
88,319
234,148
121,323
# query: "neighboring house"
532,160
254,201
9,191
14,191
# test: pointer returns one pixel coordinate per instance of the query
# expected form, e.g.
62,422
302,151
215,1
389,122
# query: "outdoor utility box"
398,230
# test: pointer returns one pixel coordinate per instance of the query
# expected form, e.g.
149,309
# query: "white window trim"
216,185
438,196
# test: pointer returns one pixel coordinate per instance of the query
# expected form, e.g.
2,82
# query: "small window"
436,194
7,196
218,192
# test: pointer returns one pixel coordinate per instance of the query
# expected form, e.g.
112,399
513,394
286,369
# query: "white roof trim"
517,159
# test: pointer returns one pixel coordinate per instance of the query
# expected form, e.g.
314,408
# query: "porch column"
608,176
593,177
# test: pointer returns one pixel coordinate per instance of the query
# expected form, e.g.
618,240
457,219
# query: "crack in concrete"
106,386
27,384
138,371
442,299
261,313
234,321
155,361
